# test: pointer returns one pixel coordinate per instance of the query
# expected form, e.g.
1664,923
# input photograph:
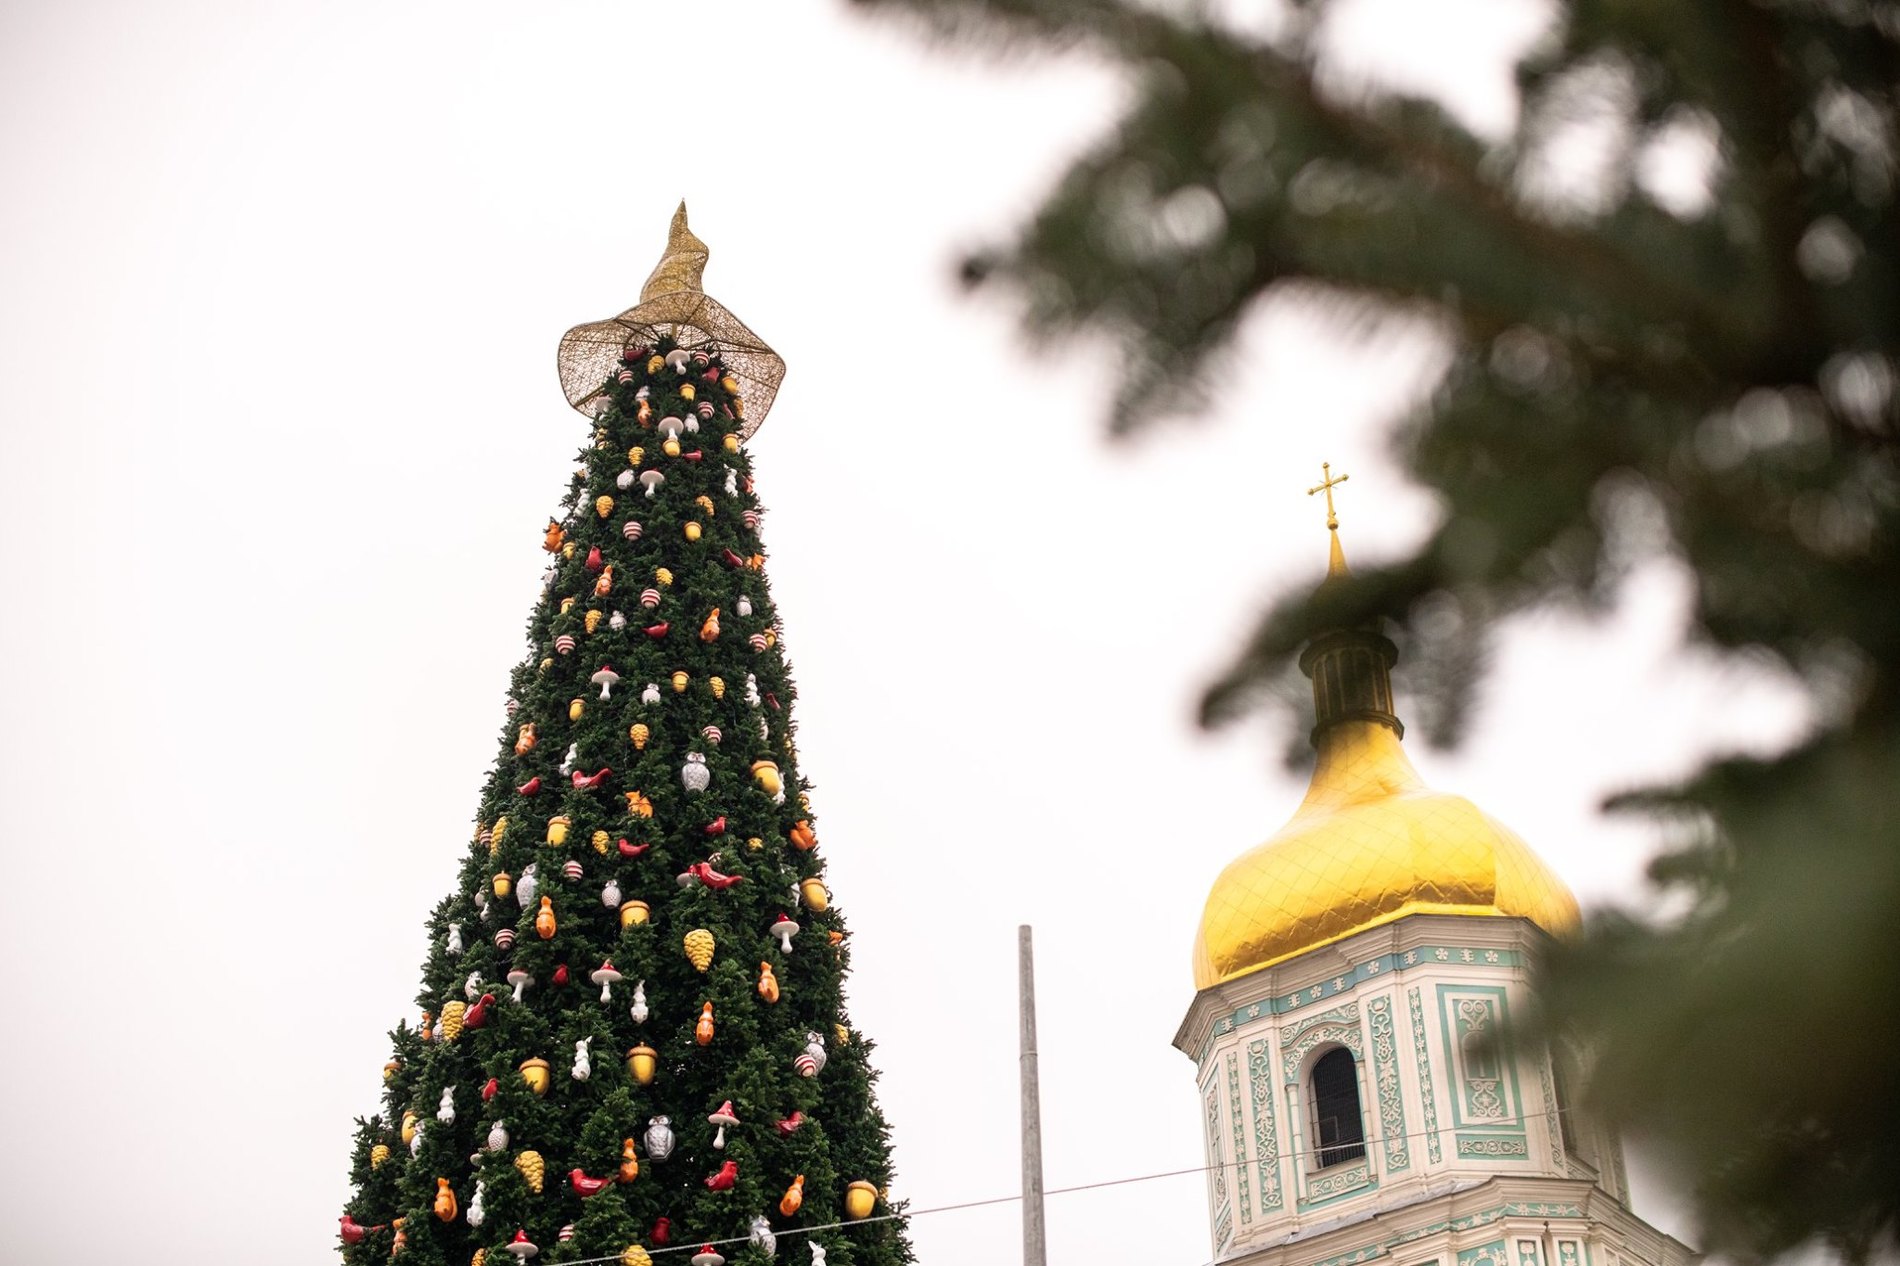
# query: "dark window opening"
1337,1120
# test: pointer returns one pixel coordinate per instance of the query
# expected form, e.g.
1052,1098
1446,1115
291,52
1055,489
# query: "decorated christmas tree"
633,1042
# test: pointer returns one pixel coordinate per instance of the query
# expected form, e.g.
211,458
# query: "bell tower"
1362,1092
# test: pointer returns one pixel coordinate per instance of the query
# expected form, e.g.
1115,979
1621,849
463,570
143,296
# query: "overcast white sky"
280,287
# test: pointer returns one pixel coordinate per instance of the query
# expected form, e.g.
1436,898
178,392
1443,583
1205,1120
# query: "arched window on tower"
1338,1125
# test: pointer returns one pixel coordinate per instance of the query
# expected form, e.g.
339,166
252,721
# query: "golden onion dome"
1370,843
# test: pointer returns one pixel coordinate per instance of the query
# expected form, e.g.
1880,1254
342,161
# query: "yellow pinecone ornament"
480,1258
378,1154
452,1019
592,620
639,733
603,505
532,1168
699,948
600,841
635,1256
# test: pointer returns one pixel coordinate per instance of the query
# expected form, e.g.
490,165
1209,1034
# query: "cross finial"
1326,485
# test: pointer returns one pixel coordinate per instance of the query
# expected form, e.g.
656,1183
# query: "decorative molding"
1434,1148
1492,1254
1243,1196
1339,1025
1338,1181
1216,1170
1551,1124
1471,1018
1527,1254
1365,1254
1493,1146
1372,968
1573,1253
1385,1073
1266,1134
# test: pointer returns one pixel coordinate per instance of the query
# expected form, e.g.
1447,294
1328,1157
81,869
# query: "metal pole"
1034,1248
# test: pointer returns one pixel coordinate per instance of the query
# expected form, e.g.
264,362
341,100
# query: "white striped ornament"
564,643
751,519
649,598
505,938
757,642
625,375
572,870
630,529
712,734
805,1065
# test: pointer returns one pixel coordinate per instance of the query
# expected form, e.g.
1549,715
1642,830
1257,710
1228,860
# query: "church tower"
1353,974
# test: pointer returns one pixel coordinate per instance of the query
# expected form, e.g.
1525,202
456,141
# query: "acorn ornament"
860,1200
699,946
643,1064
694,774
703,1030
535,1071
765,773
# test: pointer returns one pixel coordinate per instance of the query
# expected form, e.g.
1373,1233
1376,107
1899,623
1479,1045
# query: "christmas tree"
633,1041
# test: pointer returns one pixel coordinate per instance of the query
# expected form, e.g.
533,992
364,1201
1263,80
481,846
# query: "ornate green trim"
1383,965
1573,1253
1527,1254
1493,1147
1434,1148
1338,1025
1487,1094
1492,1254
1243,1196
1551,1125
1217,1171
1385,1074
1266,1134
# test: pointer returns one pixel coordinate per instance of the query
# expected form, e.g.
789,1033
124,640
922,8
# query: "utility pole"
1034,1247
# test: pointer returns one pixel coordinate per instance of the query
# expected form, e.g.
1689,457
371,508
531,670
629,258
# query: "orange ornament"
703,1031
638,805
768,983
552,542
803,838
604,583
710,629
794,1197
525,739
444,1200
629,1162
544,919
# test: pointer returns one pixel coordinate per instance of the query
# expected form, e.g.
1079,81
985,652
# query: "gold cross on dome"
1326,485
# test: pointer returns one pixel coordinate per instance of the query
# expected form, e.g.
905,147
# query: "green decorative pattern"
1341,1025
1385,1073
1551,1124
1373,968
1492,1254
1486,1217
1217,1172
1266,1134
1434,1148
1527,1254
1340,1180
1243,1196
1493,1147
1471,1017
1573,1253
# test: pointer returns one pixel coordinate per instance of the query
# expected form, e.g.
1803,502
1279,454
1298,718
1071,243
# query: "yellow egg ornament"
575,707
680,679
692,530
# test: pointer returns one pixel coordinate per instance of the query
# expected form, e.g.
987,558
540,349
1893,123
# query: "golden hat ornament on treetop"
672,304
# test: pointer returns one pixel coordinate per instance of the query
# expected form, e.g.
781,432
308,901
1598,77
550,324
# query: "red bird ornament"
723,1180
584,1186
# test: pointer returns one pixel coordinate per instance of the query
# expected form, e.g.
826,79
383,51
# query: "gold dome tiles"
1370,844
